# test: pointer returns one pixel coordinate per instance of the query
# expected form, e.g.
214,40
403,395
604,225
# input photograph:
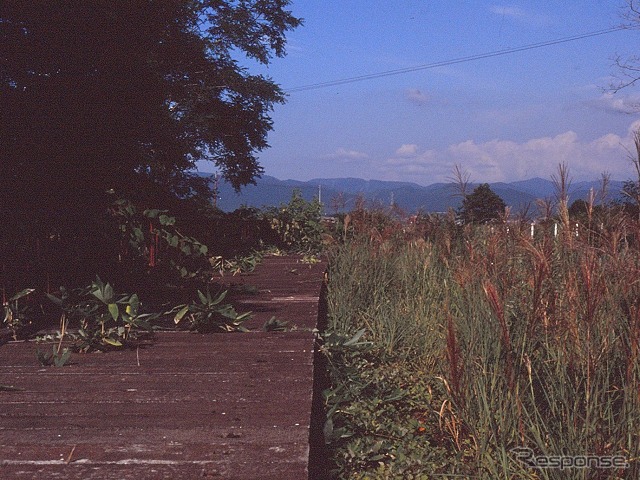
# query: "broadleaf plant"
103,319
211,315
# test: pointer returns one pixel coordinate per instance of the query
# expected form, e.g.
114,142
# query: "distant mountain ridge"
411,197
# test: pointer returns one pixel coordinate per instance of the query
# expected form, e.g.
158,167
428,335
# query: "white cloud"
521,15
407,150
347,155
410,164
506,160
612,103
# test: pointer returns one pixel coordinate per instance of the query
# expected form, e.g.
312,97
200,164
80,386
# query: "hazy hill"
411,197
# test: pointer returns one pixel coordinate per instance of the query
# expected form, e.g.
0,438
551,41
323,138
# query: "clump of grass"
518,341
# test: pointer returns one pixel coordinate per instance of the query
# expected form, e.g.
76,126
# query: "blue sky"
506,118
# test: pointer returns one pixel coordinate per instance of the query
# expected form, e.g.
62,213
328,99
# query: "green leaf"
44,358
166,220
54,299
138,234
102,292
354,340
60,360
21,294
108,293
143,325
183,311
134,305
205,299
111,341
397,394
328,430
219,298
114,311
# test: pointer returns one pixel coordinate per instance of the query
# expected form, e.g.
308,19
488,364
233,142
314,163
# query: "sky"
508,117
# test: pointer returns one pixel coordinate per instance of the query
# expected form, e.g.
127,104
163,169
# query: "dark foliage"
482,205
578,208
124,96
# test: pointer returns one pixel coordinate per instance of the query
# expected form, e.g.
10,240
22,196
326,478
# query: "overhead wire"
444,63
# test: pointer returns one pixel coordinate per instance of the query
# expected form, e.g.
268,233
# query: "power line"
454,61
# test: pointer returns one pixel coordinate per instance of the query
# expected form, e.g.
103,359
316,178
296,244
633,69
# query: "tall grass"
536,342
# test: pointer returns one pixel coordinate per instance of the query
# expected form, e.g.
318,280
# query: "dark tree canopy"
482,205
126,96
578,208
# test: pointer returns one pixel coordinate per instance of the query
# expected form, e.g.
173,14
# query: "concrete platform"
233,406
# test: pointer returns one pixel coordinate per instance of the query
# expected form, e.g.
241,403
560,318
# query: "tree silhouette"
628,69
125,97
482,205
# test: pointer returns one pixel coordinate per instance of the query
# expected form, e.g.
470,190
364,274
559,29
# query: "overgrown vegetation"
101,318
147,95
174,271
297,224
451,346
104,183
211,315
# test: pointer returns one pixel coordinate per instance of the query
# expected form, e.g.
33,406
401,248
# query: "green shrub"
101,318
152,240
209,314
297,224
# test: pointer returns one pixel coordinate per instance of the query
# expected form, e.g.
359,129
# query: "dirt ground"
233,406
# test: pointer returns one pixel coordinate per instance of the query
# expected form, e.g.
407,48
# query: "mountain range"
339,194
